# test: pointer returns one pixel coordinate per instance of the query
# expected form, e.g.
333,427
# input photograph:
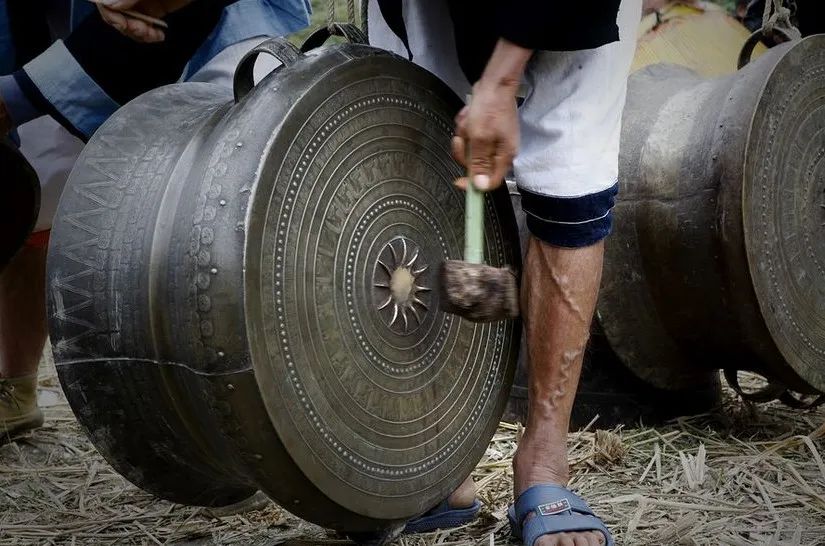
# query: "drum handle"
352,33
287,53
747,49
776,24
279,48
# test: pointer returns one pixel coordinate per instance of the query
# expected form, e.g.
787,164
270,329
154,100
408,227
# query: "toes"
558,539
582,540
594,538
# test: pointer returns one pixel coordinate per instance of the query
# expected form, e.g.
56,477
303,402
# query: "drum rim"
800,361
353,55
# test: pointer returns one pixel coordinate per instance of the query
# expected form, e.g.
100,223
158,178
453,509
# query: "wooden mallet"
470,288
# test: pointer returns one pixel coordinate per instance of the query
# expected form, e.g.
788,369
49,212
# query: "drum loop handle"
776,25
280,48
287,53
351,32
774,390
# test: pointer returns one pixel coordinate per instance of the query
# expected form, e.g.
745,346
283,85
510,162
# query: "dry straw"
741,476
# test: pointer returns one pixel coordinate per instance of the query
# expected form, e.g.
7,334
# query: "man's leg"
23,312
560,288
52,151
22,336
566,170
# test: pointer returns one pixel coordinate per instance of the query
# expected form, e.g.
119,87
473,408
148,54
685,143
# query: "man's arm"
140,31
490,122
82,80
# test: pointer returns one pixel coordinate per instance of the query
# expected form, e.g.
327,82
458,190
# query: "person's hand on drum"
136,29
489,124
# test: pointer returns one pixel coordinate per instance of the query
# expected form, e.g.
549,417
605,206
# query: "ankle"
532,466
464,496
522,481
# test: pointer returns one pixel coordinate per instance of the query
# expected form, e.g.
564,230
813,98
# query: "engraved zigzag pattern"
94,193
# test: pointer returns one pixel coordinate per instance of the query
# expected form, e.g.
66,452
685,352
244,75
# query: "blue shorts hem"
571,236
570,222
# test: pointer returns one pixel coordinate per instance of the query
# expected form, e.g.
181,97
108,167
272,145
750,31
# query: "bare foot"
464,496
592,538
539,461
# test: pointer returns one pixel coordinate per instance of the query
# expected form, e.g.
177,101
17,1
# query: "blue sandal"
557,510
443,517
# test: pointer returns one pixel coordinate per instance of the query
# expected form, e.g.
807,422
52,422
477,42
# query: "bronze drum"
717,260
242,291
718,255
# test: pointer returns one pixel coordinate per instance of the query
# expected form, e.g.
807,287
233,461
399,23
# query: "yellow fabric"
704,38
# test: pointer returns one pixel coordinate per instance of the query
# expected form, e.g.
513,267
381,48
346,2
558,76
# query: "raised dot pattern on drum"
221,275
784,208
384,408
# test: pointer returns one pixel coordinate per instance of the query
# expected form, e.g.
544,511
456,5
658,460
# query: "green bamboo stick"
473,213
473,220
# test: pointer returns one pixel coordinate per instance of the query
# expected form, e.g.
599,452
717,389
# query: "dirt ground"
740,476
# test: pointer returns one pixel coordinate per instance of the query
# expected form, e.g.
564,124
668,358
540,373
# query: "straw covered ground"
742,475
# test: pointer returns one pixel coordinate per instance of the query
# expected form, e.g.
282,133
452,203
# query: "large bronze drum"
243,292
718,255
717,260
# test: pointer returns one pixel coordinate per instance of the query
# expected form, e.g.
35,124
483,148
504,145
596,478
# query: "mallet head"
479,292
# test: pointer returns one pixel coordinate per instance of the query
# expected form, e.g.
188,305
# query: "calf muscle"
560,288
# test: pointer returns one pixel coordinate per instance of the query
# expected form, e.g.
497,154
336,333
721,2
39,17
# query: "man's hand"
140,31
489,124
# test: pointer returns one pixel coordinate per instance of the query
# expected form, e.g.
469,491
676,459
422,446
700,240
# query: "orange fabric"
39,239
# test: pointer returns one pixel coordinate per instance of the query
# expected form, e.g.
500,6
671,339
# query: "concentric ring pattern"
380,398
784,207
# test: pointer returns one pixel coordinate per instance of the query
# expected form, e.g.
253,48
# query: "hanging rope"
331,15
776,27
364,20
777,17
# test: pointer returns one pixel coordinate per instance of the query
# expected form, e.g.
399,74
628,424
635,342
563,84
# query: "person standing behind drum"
54,93
563,142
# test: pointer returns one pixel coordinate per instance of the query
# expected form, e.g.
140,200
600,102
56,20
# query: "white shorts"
52,150
567,167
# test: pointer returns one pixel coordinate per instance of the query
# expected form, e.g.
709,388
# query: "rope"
776,27
774,390
777,17
351,12
331,15
364,20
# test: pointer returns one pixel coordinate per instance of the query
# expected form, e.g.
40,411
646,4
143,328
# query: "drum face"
269,273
